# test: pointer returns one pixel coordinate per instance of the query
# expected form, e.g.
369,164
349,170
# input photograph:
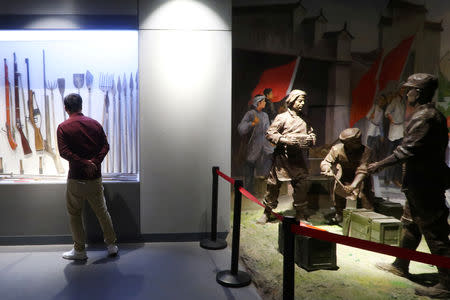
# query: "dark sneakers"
393,269
439,291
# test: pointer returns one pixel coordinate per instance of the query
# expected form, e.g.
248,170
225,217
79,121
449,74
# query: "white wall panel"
94,7
185,98
185,14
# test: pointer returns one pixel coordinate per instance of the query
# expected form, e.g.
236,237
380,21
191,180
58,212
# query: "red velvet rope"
408,254
254,199
321,234
227,178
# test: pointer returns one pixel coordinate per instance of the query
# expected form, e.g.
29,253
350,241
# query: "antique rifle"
22,95
25,145
33,113
48,145
9,128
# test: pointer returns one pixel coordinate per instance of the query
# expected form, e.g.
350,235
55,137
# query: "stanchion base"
213,245
226,278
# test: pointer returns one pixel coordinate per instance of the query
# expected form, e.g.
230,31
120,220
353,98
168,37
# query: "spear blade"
89,80
124,85
131,83
119,86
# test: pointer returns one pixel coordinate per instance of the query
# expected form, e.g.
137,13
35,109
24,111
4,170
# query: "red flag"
394,62
364,93
279,79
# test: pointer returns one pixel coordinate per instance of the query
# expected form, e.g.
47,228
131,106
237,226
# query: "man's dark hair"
267,91
73,103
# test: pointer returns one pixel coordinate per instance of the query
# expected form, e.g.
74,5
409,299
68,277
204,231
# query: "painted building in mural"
291,29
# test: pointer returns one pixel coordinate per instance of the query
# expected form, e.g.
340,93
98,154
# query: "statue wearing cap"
350,160
291,135
258,152
426,176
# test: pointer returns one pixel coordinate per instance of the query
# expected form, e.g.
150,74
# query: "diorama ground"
356,278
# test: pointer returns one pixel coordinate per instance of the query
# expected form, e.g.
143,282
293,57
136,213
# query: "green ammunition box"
386,231
347,213
311,254
361,224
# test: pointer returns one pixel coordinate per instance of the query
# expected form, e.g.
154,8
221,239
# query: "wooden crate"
310,254
361,224
346,216
386,231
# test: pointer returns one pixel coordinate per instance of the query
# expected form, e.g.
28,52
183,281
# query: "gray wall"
185,111
185,116
36,213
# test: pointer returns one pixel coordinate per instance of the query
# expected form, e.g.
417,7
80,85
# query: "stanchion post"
288,259
234,277
213,243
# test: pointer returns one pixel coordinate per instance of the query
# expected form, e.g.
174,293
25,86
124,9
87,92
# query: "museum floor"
141,271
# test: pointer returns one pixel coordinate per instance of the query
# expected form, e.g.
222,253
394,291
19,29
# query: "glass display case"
38,69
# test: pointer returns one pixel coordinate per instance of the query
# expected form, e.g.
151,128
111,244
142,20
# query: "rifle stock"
11,140
56,159
38,141
25,144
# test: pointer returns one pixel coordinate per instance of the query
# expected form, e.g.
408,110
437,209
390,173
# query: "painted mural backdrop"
350,57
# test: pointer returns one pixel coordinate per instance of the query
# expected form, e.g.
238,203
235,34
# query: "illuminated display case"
39,68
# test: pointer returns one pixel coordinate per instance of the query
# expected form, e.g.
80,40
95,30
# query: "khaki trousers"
91,190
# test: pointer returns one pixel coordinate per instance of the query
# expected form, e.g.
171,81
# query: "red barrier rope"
408,254
321,234
254,199
227,178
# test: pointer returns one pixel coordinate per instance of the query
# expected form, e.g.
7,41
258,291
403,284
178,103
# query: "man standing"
82,141
255,124
375,134
290,133
350,158
425,180
270,107
395,112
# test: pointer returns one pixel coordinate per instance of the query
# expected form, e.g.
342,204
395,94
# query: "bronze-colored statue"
290,133
254,125
424,181
350,158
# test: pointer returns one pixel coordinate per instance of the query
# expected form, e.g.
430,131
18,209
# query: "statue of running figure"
291,136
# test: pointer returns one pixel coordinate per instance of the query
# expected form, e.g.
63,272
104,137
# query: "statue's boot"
265,216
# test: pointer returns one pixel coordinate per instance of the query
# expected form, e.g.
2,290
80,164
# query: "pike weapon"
33,112
48,145
132,128
119,119
25,144
125,122
9,128
136,126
